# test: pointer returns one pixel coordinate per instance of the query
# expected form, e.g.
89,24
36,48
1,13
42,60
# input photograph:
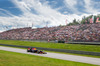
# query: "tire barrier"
58,50
61,41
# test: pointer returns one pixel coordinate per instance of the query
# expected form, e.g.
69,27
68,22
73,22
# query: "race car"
34,50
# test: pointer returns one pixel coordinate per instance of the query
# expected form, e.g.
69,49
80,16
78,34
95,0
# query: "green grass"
93,48
17,59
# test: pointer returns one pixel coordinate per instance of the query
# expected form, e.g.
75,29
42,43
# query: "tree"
74,22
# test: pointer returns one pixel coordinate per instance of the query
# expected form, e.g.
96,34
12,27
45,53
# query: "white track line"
75,58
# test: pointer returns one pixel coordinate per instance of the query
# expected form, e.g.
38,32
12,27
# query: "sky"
39,13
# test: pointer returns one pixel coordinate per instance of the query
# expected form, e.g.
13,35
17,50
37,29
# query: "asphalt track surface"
89,60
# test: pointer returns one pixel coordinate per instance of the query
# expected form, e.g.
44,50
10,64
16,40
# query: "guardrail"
58,50
85,43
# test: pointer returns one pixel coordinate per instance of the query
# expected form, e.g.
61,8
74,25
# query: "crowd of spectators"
84,32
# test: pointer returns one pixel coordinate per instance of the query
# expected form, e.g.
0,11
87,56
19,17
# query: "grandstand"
83,32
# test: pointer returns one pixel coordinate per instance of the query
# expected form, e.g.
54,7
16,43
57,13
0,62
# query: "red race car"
34,50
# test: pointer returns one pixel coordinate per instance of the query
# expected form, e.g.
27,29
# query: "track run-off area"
75,58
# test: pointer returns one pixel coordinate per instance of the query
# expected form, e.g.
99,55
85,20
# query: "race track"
75,58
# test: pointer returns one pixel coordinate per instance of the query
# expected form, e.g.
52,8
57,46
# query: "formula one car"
34,50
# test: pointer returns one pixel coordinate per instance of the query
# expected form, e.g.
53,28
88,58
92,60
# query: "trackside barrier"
85,43
58,50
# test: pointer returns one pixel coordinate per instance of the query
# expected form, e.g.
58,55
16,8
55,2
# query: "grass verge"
93,48
17,59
